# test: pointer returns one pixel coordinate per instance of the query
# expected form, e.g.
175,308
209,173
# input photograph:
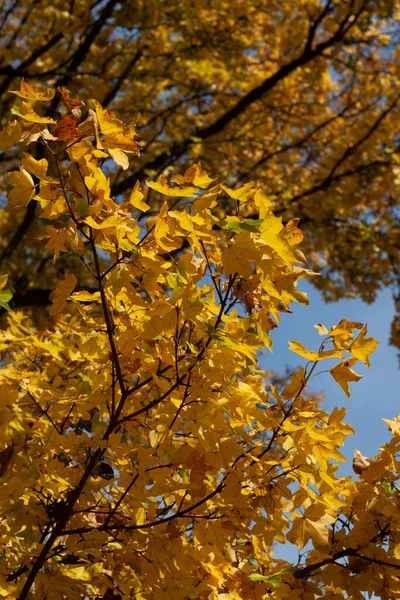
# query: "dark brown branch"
178,149
81,52
34,56
186,513
113,91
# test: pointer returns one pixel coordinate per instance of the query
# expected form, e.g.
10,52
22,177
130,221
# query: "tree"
141,454
301,96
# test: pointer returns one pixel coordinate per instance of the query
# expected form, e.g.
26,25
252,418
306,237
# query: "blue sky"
374,397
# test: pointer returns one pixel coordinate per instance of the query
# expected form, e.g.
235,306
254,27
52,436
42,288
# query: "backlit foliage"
300,95
142,455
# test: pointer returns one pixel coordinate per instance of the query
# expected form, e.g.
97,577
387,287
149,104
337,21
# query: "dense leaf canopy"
161,162
302,96
142,455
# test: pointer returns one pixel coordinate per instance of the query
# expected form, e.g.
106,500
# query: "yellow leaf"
194,174
322,330
108,122
3,281
109,222
121,141
396,551
51,210
99,184
36,167
27,113
139,517
136,198
292,233
56,240
343,373
263,203
10,135
237,257
162,186
31,93
271,229
342,333
295,385
86,296
191,306
24,189
242,194
363,347
360,462
164,230
80,573
310,354
305,529
59,296
393,424
206,200
119,157
160,326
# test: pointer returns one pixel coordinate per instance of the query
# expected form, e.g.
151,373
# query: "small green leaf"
5,297
237,225
274,580
82,208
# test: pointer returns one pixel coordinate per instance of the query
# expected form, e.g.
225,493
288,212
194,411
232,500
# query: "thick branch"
178,149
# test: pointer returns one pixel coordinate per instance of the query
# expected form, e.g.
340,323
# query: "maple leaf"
195,175
311,527
121,141
311,355
295,385
31,93
363,347
343,374
66,129
5,294
273,234
237,257
360,462
109,124
242,194
63,290
27,113
162,186
136,198
10,135
24,189
322,330
74,104
37,167
342,333
292,233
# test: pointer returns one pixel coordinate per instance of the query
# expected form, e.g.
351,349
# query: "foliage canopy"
301,95
143,454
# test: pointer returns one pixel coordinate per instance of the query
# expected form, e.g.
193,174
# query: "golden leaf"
31,93
63,290
310,354
24,189
161,185
10,135
27,113
136,198
343,374
237,257
363,347
194,174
